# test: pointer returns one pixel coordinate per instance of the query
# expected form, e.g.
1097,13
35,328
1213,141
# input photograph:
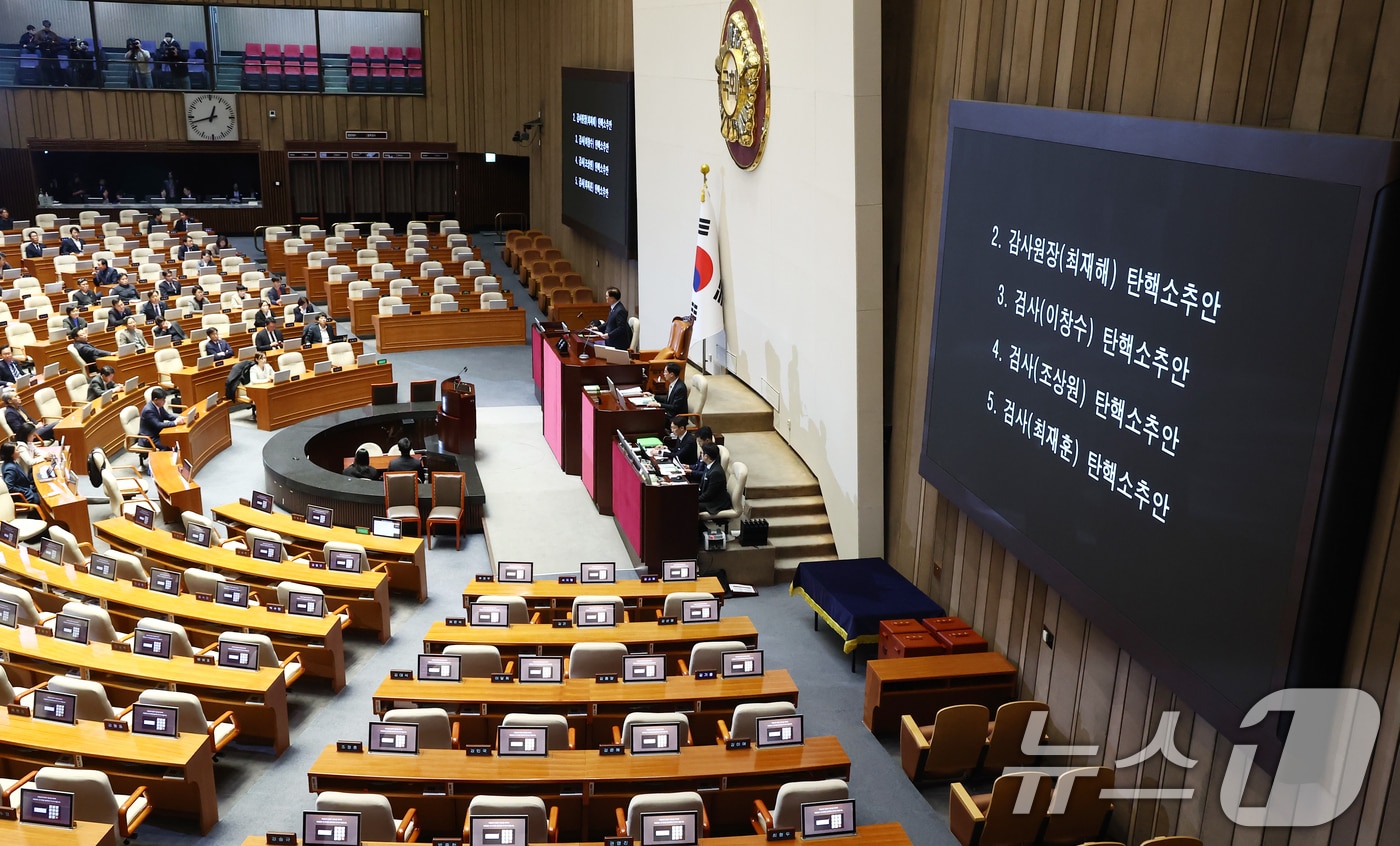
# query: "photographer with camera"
167,59
81,63
49,46
138,71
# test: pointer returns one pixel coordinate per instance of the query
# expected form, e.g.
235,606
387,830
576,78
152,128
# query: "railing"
521,217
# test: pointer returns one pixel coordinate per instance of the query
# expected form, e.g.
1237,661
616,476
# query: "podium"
456,418
563,377
659,520
603,414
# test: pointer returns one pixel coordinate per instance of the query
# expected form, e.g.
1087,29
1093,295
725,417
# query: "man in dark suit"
35,247
675,400
106,275
71,245
154,309
269,337
16,417
169,286
618,330
86,351
703,435
216,346
714,487
10,367
165,327
405,459
320,332
117,315
684,448
104,380
182,224
155,417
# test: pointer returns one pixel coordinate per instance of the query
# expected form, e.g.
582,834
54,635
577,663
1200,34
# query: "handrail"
522,217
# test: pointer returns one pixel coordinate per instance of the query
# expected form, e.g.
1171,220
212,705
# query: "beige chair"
619,610
292,362
28,527
636,325
706,656
697,390
1078,810
371,447
990,819
341,546
436,302
743,724
1006,734
20,336
541,824
284,591
341,354
218,320
91,702
587,660
787,809
479,660
490,297
396,286
951,747
440,283
386,304
366,258
629,822
435,729
377,822
623,734
355,290
199,580
100,628
180,645
558,734
378,269
221,732
29,613
517,612
73,551
168,363
76,386
267,655
675,602
95,801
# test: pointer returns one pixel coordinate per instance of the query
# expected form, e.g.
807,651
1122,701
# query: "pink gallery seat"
252,49
394,54
413,54
376,54
273,51
357,54
310,51
291,51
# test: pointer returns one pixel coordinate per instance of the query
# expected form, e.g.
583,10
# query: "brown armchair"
1006,733
1080,812
677,346
950,748
990,819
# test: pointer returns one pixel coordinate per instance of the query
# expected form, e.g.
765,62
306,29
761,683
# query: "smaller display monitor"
345,561
733,665
9,613
261,501
778,731
655,738
70,628
440,668
318,515
267,550
498,831
526,741
198,534
594,614
9,535
51,551
489,614
165,581
159,720
231,593
306,604
678,571
828,819
515,571
322,828
542,669
644,668
383,527
241,656
671,828
699,610
154,644
55,706
46,807
102,566
597,572
401,738
144,517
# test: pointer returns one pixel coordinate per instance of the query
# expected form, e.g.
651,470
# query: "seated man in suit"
182,224
168,286
682,445
187,248
405,459
125,289
320,332
35,247
117,315
16,417
106,275
86,351
269,337
155,418
714,486
618,330
72,245
85,296
677,397
165,327
13,366
154,308
216,346
104,380
703,435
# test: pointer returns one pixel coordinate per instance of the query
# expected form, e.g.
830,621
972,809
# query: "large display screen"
598,194
1140,338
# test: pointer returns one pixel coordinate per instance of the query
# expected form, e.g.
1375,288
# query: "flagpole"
704,187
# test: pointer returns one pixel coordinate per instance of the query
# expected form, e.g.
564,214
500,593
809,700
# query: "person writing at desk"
130,333
216,346
17,479
35,247
361,469
155,418
714,487
105,275
320,332
12,366
16,417
405,459
269,337
117,315
72,245
154,308
73,321
86,351
683,447
165,327
104,380
125,291
677,397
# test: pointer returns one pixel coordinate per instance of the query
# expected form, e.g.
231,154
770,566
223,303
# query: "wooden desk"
103,429
658,521
674,641
563,378
366,593
312,395
14,833
592,708
175,494
258,698
601,417
404,559
362,311
548,594
143,364
178,772
449,329
920,686
590,313
319,640
880,834
209,436
61,503
195,384
586,787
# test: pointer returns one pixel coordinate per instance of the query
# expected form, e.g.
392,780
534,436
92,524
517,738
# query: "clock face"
210,117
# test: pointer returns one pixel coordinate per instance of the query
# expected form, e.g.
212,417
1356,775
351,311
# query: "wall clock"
210,116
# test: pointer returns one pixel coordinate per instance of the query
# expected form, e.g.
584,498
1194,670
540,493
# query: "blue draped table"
854,594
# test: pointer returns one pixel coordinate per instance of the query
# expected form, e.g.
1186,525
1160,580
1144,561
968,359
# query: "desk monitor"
394,737
56,707
102,566
318,515
161,342
267,550
291,344
735,665
9,535
366,359
440,668
158,720
597,572
383,527
124,350
133,383
247,353
306,604
280,376
489,614
498,831
321,368
86,412
778,731
541,669
699,610
165,581
51,551
231,593
515,571
70,628
682,570
242,656
22,382
828,819
597,614
187,466
644,668
450,305
154,644
198,534
345,561
145,517
9,613
502,305
655,738
108,394
46,807
670,828
523,741
213,308
211,401
52,370
198,335
262,502
322,828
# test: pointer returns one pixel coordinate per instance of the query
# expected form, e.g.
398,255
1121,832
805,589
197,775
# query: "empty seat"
94,800
587,660
541,824
787,809
629,823
742,725
377,821
435,729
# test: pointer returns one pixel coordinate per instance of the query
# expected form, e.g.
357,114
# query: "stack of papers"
634,391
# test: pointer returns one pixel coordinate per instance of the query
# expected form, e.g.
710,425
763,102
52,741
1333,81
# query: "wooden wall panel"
1302,64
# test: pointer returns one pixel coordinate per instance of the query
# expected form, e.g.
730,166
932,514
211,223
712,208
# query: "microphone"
458,378
578,316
